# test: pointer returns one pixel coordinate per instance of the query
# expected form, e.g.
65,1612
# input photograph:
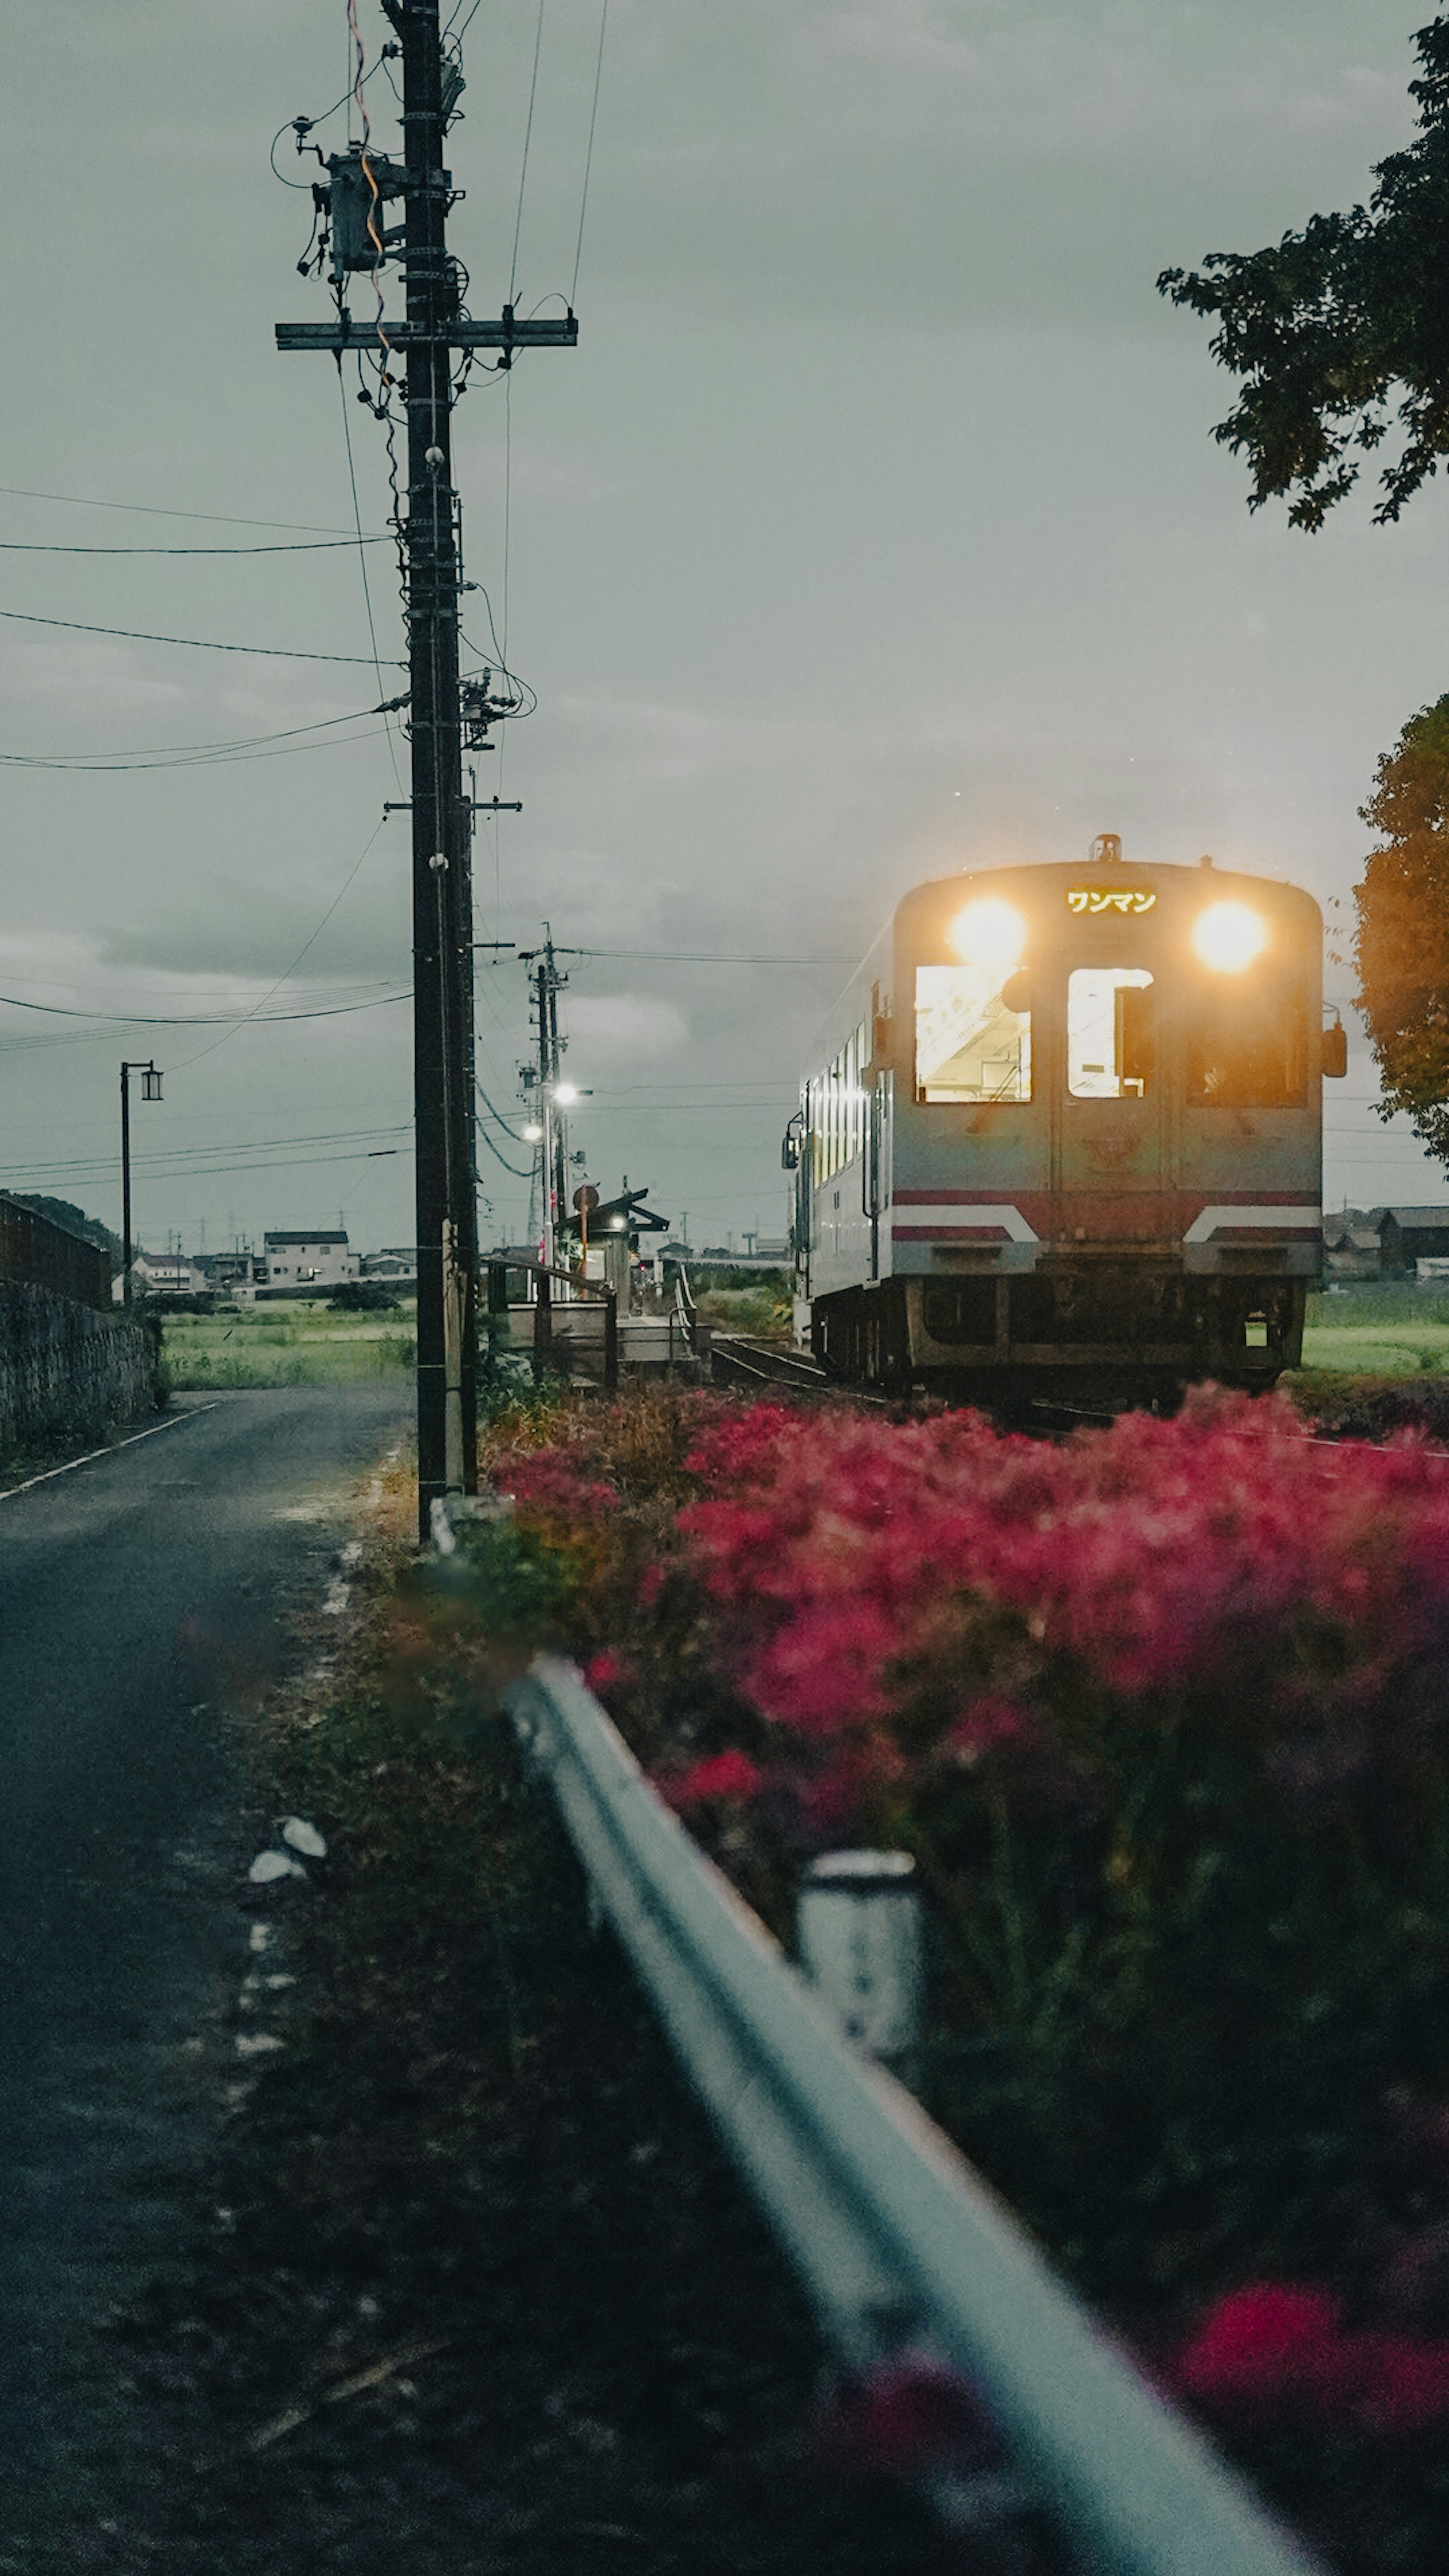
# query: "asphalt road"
144,1605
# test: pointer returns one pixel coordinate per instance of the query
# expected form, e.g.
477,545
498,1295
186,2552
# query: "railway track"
738,1359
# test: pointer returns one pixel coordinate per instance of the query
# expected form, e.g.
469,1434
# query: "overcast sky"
874,528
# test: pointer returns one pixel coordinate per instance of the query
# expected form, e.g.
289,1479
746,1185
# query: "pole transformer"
359,185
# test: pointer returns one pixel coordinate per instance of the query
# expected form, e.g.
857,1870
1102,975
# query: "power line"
181,755
527,138
259,1008
177,1154
319,546
487,1140
148,510
589,155
197,1019
362,562
214,1171
195,643
703,957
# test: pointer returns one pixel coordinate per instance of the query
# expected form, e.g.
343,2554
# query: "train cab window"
1247,1045
1111,1033
969,1044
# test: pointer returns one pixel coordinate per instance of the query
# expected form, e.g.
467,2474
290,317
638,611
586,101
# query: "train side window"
1111,1033
969,1045
1247,1046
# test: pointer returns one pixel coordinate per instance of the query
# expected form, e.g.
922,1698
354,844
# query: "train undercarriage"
1110,1333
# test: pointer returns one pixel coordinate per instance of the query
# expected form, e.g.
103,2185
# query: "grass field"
1391,1332
296,1344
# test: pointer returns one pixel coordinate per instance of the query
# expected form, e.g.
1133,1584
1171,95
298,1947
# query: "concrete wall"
68,1374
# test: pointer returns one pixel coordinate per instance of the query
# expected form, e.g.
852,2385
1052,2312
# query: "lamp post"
150,1090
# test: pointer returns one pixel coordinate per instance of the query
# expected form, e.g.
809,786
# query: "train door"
875,1181
1109,1110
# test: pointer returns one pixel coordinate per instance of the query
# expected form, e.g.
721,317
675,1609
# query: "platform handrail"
684,1305
898,2240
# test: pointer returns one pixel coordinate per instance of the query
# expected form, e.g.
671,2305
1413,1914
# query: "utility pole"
553,1093
352,198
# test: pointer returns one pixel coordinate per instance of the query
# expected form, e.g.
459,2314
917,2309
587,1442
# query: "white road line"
129,1442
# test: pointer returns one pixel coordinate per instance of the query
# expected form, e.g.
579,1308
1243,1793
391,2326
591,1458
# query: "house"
1411,1234
1350,1246
307,1265
396,1266
163,1274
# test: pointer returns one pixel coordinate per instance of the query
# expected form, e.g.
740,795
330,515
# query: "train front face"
1106,1147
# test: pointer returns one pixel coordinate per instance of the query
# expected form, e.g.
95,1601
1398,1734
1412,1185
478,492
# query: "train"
1062,1137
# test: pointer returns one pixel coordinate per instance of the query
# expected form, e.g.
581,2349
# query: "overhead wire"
149,510
700,957
194,643
184,755
196,1019
589,154
260,1007
527,139
173,1155
319,546
362,563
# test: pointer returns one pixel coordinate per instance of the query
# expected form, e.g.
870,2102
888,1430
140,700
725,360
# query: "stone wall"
67,1374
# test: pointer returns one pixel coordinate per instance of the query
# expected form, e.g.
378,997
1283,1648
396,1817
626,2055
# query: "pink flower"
651,1584
1266,2342
720,1775
822,1671
608,1672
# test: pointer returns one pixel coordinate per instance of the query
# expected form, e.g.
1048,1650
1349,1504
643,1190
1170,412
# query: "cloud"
635,1026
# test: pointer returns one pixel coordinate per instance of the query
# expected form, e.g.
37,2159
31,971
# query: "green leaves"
1325,324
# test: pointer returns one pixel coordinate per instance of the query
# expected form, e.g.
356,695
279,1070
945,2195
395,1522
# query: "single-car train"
1064,1131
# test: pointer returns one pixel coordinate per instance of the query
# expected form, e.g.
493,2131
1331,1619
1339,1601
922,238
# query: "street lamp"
150,1090
555,1096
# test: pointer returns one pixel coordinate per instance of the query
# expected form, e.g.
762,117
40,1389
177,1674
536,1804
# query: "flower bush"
1163,1714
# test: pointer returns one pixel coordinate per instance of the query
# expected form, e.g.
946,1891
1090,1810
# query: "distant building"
396,1266
1410,1234
165,1274
1351,1247
307,1265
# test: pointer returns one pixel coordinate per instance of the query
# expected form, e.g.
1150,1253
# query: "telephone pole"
352,199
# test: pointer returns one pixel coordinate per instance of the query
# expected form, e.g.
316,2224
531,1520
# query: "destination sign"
1092,900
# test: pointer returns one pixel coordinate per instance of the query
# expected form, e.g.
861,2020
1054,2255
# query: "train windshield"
1247,1045
1111,1033
969,1044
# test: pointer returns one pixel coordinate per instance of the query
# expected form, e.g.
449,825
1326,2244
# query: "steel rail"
897,2239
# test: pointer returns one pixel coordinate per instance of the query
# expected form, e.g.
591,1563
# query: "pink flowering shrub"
992,1600
1163,1714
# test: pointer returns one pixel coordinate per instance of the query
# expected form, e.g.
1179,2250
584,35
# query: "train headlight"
989,935
1229,936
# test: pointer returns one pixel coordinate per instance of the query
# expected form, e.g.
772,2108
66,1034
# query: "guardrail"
581,1292
899,2242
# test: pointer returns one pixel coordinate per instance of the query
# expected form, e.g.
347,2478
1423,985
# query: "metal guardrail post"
543,1326
860,1938
611,1341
